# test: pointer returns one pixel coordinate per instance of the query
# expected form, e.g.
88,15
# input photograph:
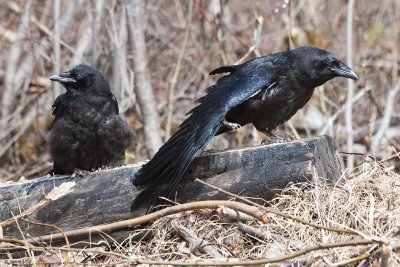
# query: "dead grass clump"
366,205
368,202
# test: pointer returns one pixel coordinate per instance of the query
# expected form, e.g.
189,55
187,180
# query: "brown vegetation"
353,222
40,38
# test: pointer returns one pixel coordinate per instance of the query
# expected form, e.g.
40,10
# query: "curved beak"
345,71
63,77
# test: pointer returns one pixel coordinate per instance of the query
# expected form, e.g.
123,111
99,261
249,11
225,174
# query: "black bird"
88,132
265,91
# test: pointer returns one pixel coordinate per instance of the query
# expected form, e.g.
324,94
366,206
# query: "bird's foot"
51,172
276,139
230,125
79,173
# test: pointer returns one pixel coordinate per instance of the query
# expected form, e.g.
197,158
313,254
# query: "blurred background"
157,54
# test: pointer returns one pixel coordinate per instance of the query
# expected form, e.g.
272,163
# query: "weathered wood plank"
105,196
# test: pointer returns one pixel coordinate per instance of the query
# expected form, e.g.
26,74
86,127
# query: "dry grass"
40,38
368,202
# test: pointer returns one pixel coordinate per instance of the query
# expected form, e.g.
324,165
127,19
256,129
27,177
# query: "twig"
351,260
350,85
293,129
56,42
24,240
364,155
253,231
194,241
211,204
263,261
174,78
340,110
288,216
395,36
390,100
12,241
52,226
233,214
396,155
214,29
247,229
87,250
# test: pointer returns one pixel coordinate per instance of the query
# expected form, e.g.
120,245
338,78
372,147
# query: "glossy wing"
170,163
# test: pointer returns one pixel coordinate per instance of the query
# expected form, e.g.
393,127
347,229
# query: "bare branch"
144,91
174,78
387,115
350,85
194,241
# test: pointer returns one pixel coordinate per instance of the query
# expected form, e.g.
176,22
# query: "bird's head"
82,78
319,66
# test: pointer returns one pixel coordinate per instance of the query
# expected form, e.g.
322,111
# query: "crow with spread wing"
264,91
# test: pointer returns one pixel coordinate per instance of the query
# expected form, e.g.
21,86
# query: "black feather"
224,69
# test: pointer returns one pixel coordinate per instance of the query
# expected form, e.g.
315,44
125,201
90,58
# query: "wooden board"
105,196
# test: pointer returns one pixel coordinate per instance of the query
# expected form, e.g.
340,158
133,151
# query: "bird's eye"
320,64
335,64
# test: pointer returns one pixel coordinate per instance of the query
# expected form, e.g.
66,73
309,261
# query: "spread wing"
170,163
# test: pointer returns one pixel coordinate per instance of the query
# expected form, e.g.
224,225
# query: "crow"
88,132
265,91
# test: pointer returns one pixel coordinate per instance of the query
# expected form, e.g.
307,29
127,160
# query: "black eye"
320,64
335,64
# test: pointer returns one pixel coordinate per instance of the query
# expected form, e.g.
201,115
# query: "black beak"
63,77
344,71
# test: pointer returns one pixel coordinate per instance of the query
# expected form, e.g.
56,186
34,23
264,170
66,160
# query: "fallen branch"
233,214
11,241
198,263
194,241
252,231
52,226
237,218
263,261
106,228
86,250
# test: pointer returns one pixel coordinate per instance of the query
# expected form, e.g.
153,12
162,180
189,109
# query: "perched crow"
88,132
265,91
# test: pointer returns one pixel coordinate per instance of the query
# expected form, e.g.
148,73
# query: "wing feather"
170,163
